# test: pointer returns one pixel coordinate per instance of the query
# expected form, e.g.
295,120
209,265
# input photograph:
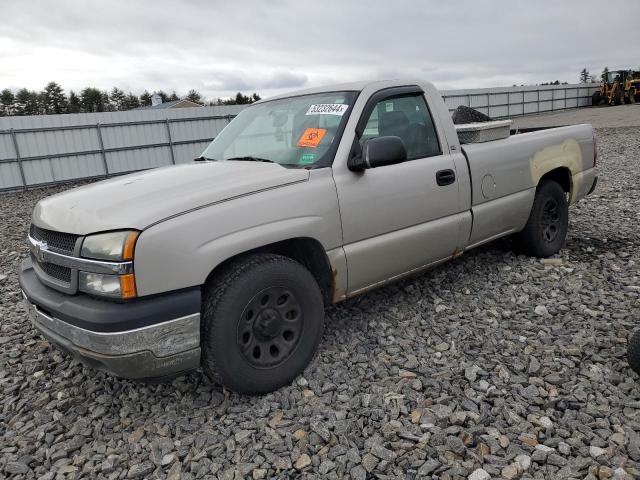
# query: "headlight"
115,286
115,246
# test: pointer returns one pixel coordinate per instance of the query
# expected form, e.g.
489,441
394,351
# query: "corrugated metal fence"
525,100
50,149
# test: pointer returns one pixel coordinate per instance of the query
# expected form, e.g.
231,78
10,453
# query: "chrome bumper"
156,351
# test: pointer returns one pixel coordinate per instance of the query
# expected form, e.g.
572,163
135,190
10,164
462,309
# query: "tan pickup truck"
302,201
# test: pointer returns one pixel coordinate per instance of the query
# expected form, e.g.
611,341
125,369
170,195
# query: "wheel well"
307,251
561,175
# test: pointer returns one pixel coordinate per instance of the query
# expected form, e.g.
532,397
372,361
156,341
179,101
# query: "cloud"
220,48
252,81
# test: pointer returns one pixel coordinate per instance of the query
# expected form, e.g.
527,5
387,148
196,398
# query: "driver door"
399,218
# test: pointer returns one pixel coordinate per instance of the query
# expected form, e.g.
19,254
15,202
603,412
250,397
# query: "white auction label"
327,109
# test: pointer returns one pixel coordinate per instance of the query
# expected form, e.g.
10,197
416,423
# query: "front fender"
182,251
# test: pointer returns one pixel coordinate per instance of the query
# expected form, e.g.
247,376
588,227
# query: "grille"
64,242
54,271
57,271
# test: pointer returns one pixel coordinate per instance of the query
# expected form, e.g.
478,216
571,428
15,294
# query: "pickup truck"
304,200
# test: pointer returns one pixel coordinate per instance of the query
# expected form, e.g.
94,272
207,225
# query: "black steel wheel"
270,327
550,223
546,229
262,320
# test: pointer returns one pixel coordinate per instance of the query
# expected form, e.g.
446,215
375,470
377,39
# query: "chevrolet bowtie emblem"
40,247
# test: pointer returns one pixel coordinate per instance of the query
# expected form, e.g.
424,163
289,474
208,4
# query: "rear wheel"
262,321
546,230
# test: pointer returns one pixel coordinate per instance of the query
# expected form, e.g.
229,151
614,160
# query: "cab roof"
350,86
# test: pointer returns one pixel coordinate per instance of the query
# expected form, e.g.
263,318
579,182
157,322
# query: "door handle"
445,177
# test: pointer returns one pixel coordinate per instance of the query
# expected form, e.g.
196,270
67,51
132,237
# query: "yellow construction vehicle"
619,86
632,87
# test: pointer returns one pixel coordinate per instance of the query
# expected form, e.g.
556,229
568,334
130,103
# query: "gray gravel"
494,365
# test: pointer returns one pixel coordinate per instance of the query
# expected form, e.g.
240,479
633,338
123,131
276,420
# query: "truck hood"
141,199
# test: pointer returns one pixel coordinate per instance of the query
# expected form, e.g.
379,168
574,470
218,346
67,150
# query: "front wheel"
546,230
596,98
262,320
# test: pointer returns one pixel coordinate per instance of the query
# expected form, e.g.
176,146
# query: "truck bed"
505,172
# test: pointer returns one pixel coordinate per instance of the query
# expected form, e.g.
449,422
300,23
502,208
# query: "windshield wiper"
251,159
204,159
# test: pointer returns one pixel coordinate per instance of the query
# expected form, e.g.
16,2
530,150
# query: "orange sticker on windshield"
311,137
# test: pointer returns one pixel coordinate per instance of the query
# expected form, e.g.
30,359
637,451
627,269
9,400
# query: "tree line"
53,99
586,77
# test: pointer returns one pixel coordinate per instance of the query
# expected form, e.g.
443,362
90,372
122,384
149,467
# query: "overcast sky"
221,47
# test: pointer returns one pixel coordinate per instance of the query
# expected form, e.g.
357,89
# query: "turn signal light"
129,245
128,286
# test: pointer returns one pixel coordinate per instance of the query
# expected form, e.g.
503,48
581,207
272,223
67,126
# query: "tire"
262,322
596,98
618,98
546,230
633,352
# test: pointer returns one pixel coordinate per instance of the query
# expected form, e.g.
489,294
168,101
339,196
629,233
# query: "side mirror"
379,152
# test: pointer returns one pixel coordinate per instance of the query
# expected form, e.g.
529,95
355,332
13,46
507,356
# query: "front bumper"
143,339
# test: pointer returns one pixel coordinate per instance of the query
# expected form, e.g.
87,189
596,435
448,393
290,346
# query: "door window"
407,117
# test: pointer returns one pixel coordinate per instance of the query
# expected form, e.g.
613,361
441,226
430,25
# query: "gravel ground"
493,365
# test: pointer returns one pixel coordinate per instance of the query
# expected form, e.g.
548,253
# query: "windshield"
612,77
294,131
